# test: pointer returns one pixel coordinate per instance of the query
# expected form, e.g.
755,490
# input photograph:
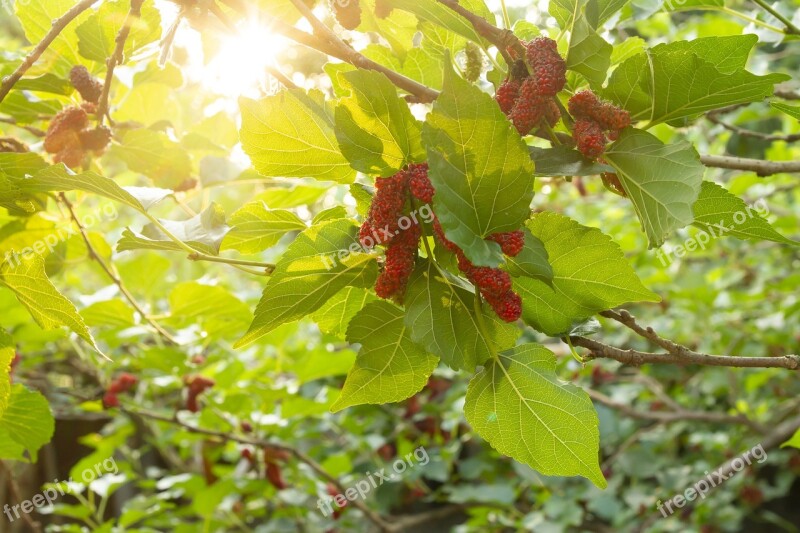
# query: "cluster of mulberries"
123,383
69,136
347,13
387,225
89,88
528,98
597,122
494,284
195,386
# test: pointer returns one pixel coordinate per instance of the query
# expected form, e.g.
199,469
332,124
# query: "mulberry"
530,107
507,95
439,232
583,104
508,307
63,131
347,13
419,184
586,105
511,242
96,139
472,70
382,223
383,9
589,138
401,256
548,68
89,88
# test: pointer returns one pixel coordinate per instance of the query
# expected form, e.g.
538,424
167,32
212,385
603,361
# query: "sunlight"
239,67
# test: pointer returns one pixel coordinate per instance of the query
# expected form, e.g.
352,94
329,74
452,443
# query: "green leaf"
480,167
683,80
256,228
97,35
335,315
590,274
389,367
794,442
565,161
663,181
441,315
7,353
46,83
589,54
332,213
27,421
792,111
25,276
443,16
521,408
203,232
374,127
37,20
717,211
58,178
111,313
156,156
284,198
291,134
532,261
319,263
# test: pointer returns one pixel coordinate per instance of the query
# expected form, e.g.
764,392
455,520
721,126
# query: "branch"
13,490
672,416
112,275
330,43
117,57
30,129
503,39
787,94
750,133
374,517
58,26
759,166
637,358
791,29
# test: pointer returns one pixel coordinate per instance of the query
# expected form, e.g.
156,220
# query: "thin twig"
112,275
787,94
15,496
30,129
750,133
791,29
637,358
672,416
503,39
759,166
374,517
117,57
58,26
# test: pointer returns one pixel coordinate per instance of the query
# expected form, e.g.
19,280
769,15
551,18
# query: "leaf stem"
748,18
482,328
506,18
790,27
117,57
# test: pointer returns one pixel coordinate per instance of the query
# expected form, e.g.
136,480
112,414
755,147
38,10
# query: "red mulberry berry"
548,68
583,104
63,131
347,13
96,139
386,208
401,256
383,9
419,184
89,88
72,157
508,307
589,138
110,400
439,232
511,242
507,95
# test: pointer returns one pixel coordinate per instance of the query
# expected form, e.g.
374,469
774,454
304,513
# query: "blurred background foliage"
734,297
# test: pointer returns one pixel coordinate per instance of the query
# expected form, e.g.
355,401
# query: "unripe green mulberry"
474,65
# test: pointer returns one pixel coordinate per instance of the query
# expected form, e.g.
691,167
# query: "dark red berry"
507,95
89,88
96,139
589,138
511,242
548,68
110,400
347,13
419,184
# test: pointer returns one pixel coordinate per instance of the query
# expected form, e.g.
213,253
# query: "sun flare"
239,66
